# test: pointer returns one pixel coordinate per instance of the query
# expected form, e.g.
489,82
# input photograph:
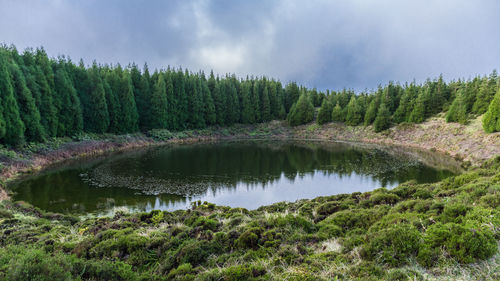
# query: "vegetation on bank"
412,232
44,97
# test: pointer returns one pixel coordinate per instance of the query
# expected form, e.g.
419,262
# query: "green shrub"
160,134
206,223
466,244
295,222
394,245
249,238
378,198
454,212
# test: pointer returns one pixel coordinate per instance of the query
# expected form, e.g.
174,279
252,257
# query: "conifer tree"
301,112
256,89
196,118
458,110
97,116
44,77
247,109
266,106
485,94
130,117
325,112
338,113
171,103
220,104
383,119
234,103
403,111
27,107
292,93
67,104
354,112
159,104
11,126
418,114
280,101
209,107
371,111
491,119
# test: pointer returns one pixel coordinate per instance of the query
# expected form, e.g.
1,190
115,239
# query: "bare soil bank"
468,143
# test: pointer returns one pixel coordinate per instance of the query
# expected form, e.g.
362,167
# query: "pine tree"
301,112
159,104
80,79
418,114
292,93
220,104
371,111
169,84
11,126
67,104
142,97
129,117
266,106
458,109
256,101
484,96
325,112
338,113
281,101
383,119
247,109
233,102
97,116
354,111
112,101
44,77
209,107
403,111
491,119
27,107
196,118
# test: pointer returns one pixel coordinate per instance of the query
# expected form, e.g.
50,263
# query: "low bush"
394,245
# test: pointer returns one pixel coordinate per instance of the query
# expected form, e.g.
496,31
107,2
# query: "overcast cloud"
323,44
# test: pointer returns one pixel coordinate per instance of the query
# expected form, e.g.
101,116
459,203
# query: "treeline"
411,103
42,97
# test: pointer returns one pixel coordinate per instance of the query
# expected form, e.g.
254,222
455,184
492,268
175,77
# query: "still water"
245,174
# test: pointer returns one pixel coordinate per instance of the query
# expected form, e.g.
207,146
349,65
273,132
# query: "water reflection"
244,174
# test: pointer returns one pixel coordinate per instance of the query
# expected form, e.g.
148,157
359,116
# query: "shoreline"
276,130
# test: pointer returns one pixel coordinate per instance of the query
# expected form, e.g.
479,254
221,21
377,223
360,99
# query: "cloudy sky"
323,44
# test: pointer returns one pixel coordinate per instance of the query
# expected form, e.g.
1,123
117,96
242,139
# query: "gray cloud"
324,44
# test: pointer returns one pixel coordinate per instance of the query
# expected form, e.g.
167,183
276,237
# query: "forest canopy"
44,97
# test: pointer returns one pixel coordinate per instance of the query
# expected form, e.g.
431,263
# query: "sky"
324,44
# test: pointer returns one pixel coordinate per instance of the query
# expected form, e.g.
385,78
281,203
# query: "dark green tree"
354,112
11,125
247,109
325,112
209,107
159,104
301,112
491,119
338,113
67,104
27,107
97,116
371,111
458,109
383,119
